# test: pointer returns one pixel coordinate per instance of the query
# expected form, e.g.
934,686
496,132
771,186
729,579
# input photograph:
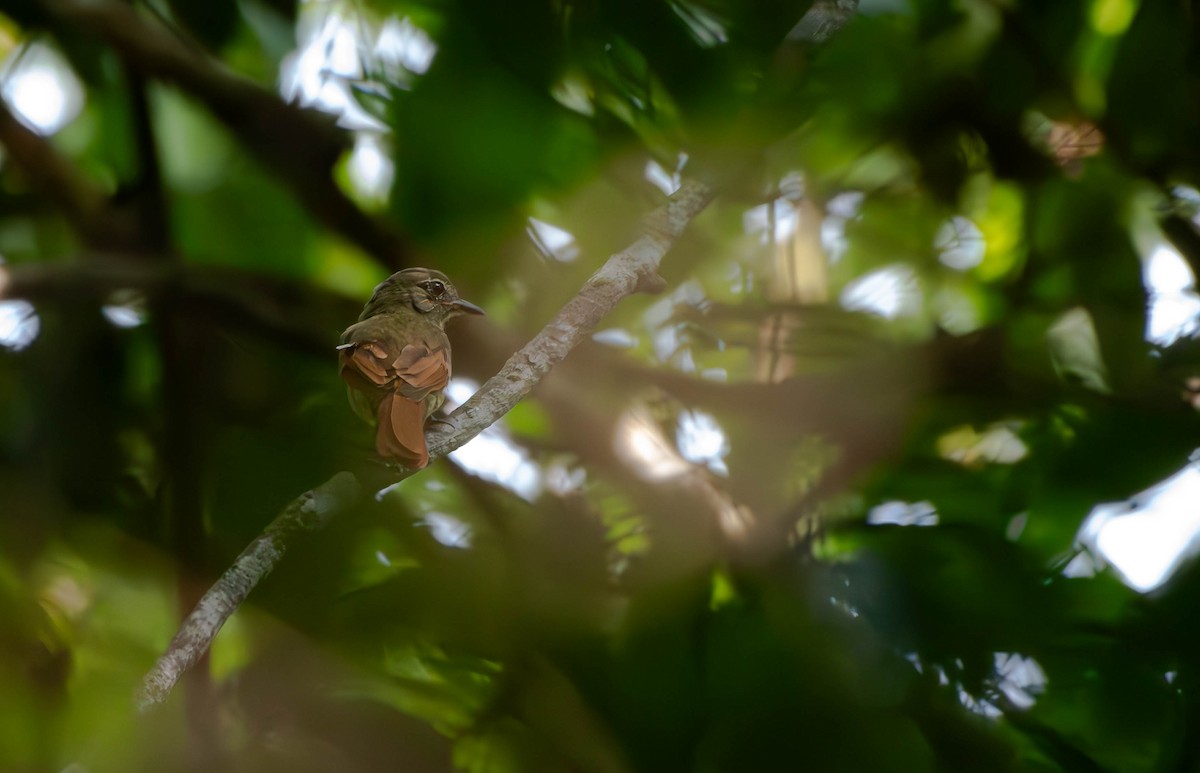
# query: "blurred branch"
308,512
634,269
290,141
822,20
85,206
151,197
293,314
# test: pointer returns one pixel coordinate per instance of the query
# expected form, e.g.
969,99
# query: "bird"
395,360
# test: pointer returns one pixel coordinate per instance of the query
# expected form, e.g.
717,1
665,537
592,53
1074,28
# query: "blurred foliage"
919,293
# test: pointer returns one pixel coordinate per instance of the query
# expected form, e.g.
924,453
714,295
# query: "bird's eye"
435,288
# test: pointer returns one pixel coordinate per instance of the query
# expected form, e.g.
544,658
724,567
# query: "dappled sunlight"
667,337
1174,304
403,46
41,87
1020,678
574,93
1015,683
125,309
345,59
641,443
687,293
1185,200
957,312
960,244
327,63
1147,538
63,594
370,167
704,25
491,455
903,514
447,529
997,444
701,440
920,667
791,227
1075,350
564,478
839,210
774,222
339,52
552,241
980,706
1083,564
615,336
834,332
699,449
890,292
123,316
19,324
665,180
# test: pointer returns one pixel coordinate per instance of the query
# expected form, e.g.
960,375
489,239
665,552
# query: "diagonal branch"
634,269
308,512
823,20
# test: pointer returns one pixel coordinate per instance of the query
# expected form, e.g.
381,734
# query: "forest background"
858,341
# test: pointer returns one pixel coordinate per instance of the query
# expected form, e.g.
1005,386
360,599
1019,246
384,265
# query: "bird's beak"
468,307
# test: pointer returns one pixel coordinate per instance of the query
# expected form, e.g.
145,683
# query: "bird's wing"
421,370
397,388
365,365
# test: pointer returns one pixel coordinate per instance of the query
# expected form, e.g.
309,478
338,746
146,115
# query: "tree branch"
823,20
290,313
634,269
290,141
84,206
308,512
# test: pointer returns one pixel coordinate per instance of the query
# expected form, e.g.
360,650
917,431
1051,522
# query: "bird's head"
423,290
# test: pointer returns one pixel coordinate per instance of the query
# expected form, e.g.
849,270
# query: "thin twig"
634,269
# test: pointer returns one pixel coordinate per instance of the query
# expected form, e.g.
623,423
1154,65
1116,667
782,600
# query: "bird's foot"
443,422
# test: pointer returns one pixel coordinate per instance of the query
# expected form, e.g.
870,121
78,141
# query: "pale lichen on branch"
622,275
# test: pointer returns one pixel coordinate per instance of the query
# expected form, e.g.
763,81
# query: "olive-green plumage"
396,359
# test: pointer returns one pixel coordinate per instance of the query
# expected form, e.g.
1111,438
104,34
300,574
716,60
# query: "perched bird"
396,359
